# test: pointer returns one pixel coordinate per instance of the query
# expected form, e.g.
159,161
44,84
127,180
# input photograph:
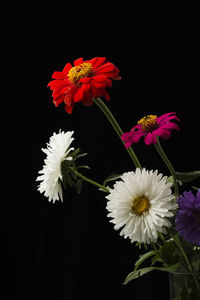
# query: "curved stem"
117,128
168,164
102,187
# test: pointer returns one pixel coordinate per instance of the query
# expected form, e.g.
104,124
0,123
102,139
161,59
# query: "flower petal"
58,75
78,61
97,61
165,134
170,126
67,67
150,138
79,94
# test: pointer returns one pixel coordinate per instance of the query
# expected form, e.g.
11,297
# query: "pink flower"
150,127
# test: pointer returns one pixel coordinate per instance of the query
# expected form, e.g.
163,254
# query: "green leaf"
170,179
102,190
112,177
143,257
195,188
138,273
82,167
168,252
187,176
156,259
80,155
75,152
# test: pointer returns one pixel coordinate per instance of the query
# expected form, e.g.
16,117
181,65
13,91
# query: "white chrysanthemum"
57,151
141,203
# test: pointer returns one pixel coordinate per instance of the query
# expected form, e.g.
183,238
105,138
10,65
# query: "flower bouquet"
152,210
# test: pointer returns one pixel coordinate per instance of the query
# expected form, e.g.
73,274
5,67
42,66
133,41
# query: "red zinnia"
150,127
83,82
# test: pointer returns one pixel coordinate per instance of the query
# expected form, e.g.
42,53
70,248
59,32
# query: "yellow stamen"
148,123
80,71
140,205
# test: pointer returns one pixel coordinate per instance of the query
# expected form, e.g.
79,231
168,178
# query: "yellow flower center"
140,205
80,71
148,123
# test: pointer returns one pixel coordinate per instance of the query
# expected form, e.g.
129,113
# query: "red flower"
83,82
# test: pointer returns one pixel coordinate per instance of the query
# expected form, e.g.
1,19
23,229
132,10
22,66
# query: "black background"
69,250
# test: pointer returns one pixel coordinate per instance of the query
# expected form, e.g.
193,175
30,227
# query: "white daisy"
141,203
57,151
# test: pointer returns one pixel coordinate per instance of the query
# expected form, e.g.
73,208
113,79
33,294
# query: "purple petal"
132,137
187,218
162,133
198,195
166,118
170,126
139,127
163,117
150,138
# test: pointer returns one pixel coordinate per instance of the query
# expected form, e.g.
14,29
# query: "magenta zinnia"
150,127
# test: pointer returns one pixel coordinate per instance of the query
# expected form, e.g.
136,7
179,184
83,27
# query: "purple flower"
188,217
150,127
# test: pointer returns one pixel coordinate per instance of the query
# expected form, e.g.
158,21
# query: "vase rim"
184,273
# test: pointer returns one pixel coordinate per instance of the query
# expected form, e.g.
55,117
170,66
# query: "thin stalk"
180,247
117,128
168,164
102,187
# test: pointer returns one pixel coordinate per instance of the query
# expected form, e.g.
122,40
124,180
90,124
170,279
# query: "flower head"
188,217
141,203
83,82
150,127
58,150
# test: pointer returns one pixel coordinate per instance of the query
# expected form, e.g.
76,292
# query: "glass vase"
184,286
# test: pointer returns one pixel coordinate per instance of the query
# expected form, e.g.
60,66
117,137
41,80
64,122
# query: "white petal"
142,228
56,151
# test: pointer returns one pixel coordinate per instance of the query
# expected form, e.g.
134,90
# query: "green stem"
117,128
180,247
168,164
102,187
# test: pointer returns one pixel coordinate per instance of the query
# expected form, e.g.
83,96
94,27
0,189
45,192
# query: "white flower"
140,204
57,151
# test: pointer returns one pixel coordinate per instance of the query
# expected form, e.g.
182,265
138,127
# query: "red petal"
87,100
98,62
67,67
69,108
78,61
68,99
92,61
117,77
56,84
58,75
107,67
102,84
85,80
109,70
99,78
63,90
105,95
58,100
100,93
79,94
